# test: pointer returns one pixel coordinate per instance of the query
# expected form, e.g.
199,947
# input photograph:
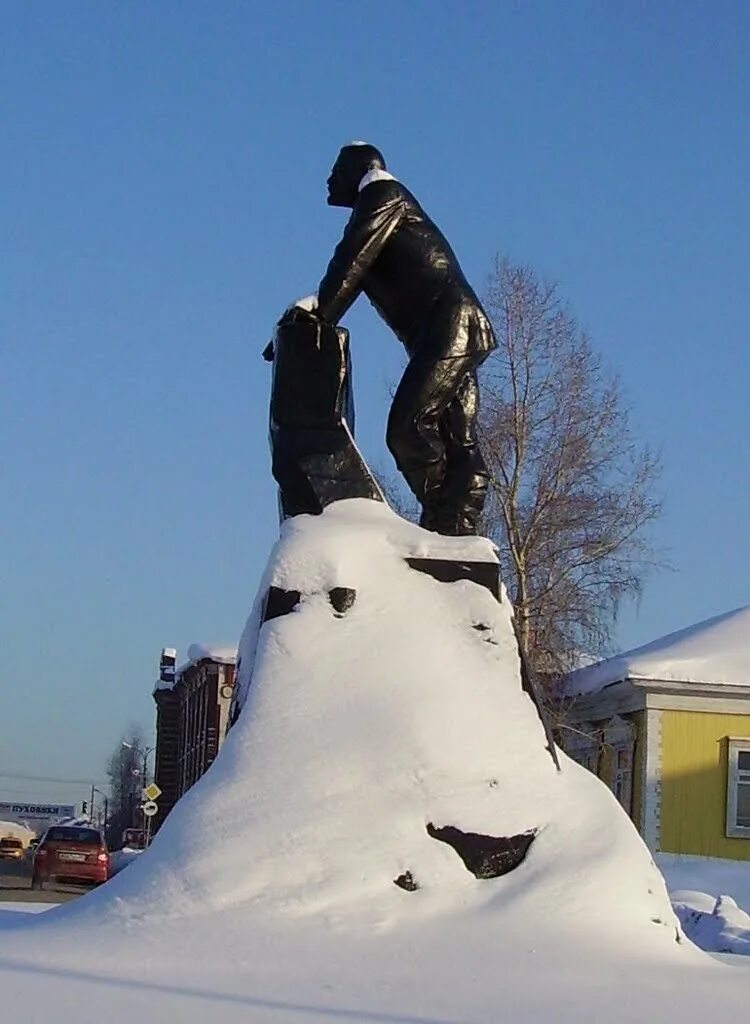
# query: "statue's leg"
466,479
416,435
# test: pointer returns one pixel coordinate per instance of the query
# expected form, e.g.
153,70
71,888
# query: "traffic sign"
150,808
152,792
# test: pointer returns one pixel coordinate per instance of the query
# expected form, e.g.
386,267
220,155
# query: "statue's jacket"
400,259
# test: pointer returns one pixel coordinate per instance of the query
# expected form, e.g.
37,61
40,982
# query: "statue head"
352,164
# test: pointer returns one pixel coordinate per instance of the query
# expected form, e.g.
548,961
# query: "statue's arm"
377,213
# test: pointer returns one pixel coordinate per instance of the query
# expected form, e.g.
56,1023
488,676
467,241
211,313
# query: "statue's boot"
430,494
463,493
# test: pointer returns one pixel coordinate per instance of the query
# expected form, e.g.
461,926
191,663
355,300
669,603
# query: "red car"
72,853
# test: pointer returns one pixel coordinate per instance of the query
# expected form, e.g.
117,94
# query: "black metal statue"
396,255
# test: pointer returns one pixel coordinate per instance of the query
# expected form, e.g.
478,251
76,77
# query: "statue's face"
352,164
339,185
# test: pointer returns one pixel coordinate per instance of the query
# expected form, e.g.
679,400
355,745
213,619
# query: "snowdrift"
360,729
271,888
716,925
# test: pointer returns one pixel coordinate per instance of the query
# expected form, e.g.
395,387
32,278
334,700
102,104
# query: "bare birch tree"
572,494
126,780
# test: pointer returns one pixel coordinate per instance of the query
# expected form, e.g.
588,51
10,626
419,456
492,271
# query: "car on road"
134,838
11,848
70,853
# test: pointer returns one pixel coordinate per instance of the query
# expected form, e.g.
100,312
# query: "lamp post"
144,783
106,805
143,772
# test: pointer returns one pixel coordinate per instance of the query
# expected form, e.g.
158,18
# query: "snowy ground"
120,859
16,906
711,898
708,875
268,896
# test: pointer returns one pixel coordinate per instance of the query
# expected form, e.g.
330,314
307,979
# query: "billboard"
37,816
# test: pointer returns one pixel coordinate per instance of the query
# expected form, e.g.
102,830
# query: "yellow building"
667,726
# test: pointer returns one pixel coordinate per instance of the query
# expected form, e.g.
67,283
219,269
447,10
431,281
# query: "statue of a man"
396,255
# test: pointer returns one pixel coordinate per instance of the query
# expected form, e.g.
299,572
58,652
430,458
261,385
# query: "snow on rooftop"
223,655
201,652
714,651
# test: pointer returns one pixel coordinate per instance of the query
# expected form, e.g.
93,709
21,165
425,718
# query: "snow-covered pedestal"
269,895
362,732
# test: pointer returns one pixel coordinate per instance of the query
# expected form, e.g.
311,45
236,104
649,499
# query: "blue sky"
163,199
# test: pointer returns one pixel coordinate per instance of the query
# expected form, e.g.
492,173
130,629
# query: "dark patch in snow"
448,570
483,628
485,856
406,881
342,598
279,602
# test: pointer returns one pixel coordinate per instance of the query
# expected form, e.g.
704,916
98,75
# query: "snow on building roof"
199,652
714,651
196,653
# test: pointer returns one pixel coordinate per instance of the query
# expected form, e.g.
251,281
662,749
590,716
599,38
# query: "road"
15,886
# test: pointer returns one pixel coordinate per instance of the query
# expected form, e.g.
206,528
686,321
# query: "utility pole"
143,772
144,783
105,798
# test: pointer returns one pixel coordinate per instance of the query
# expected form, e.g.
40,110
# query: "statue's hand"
309,303
302,311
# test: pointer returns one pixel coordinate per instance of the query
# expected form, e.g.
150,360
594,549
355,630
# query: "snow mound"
361,730
717,926
269,895
712,875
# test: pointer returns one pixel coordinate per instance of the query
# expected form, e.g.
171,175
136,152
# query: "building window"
582,747
738,789
622,775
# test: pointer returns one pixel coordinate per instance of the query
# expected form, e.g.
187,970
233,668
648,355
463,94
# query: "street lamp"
146,752
143,774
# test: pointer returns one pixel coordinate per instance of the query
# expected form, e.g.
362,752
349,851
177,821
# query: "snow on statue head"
352,164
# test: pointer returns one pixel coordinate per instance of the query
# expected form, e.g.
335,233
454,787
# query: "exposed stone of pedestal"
406,882
485,856
279,602
449,570
342,599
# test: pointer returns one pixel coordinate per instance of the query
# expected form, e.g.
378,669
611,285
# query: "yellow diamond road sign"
152,792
